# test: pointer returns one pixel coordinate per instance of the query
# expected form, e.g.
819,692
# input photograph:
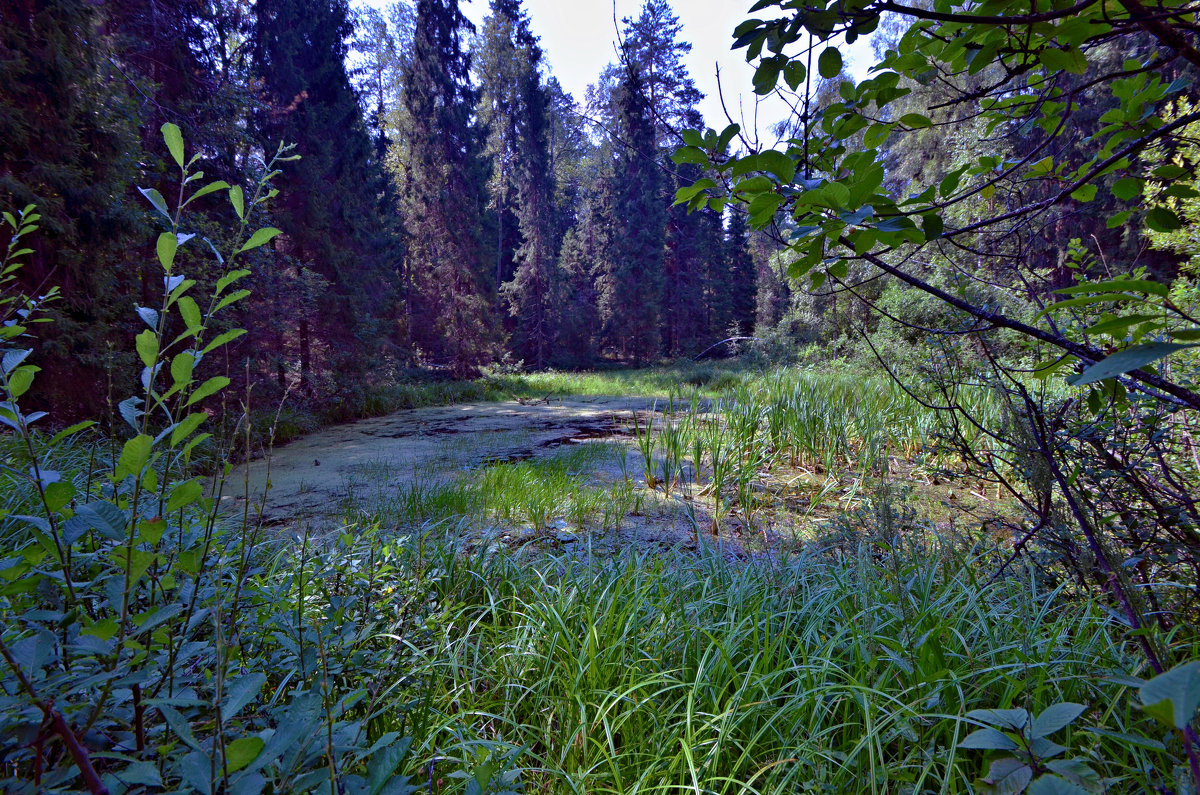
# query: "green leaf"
234,276
58,494
187,426
190,313
763,208
1170,171
1015,719
876,135
1055,717
1041,168
223,338
196,769
167,245
185,494
779,164
950,183
727,135
1118,286
689,154
1054,785
147,347
1069,60
238,200
174,139
932,225
157,201
232,298
70,431
1173,697
759,184
242,691
765,77
181,368
988,740
134,456
264,235
916,121
242,752
1131,358
1119,324
689,192
21,379
385,761
1008,776
1160,219
829,63
105,518
1107,298
1073,770
144,773
1127,188
1084,193
212,385
150,531
211,187
1118,219
793,74
179,724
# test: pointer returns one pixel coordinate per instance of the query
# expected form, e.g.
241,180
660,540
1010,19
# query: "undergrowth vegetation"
815,673
154,642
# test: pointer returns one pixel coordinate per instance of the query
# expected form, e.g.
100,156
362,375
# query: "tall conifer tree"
515,105
443,194
68,128
631,286
329,209
742,281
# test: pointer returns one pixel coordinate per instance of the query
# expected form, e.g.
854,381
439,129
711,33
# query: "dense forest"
866,460
450,208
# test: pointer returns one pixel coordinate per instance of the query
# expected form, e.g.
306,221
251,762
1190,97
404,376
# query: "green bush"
149,642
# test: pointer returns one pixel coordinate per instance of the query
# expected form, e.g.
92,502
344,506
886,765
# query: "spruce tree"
70,141
514,105
631,289
337,239
581,255
652,50
452,311
652,44
741,283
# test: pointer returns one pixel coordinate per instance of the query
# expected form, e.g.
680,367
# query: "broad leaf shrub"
148,643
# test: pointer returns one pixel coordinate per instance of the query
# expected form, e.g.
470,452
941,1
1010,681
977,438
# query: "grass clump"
524,493
820,673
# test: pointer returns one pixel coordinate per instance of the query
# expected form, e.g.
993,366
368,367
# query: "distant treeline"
452,206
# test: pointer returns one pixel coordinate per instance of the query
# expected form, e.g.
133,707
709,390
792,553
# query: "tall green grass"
819,673
513,493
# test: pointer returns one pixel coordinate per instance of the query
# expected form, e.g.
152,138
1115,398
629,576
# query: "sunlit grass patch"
523,493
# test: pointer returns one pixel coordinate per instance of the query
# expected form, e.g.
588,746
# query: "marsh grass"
796,433
527,493
823,672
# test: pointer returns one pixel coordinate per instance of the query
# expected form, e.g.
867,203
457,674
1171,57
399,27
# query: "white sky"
578,38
